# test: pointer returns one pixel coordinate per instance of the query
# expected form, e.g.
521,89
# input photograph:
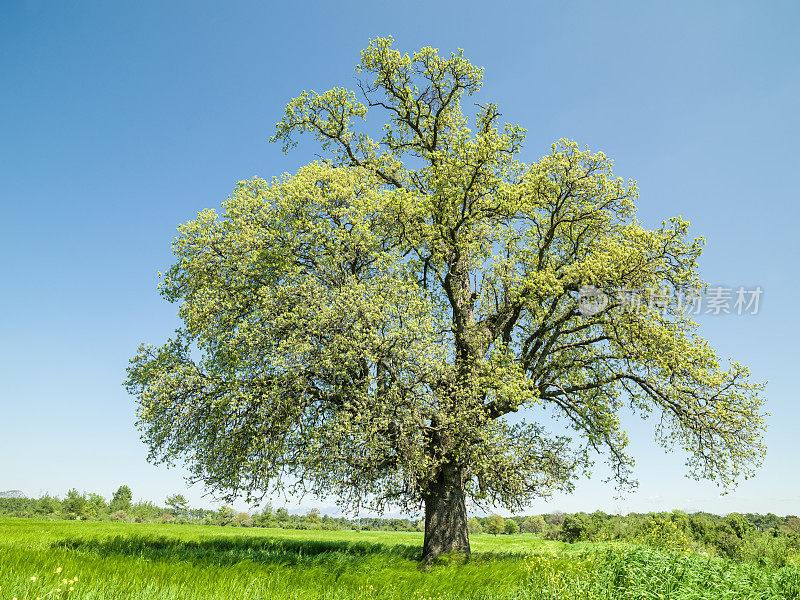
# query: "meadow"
42,559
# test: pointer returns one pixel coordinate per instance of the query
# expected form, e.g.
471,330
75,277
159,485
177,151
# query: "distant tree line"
94,507
739,536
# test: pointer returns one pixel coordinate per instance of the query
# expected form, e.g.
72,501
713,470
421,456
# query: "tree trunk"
445,515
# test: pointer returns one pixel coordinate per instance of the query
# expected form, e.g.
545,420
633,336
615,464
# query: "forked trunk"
445,515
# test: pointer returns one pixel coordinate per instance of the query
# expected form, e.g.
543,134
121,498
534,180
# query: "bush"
534,524
767,551
575,528
511,527
552,533
663,533
728,544
119,515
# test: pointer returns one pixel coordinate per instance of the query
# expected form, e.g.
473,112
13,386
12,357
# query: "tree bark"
445,515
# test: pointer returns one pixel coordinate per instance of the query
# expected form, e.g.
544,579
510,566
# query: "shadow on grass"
231,550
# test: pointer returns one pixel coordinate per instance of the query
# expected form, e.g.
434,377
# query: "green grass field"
138,561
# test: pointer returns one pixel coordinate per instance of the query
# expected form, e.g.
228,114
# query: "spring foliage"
360,325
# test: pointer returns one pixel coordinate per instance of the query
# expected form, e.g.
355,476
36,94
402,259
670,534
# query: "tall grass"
138,561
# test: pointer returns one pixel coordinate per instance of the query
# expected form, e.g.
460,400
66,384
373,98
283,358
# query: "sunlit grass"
143,561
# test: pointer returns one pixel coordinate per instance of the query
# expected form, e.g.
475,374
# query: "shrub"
552,533
663,533
535,524
728,544
575,528
768,551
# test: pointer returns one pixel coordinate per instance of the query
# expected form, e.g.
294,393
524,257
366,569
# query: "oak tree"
397,322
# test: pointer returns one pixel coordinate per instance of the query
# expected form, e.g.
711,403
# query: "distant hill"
12,494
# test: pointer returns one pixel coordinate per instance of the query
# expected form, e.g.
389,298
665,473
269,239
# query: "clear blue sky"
118,121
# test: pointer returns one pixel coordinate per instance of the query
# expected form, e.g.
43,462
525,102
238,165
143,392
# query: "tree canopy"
367,326
122,498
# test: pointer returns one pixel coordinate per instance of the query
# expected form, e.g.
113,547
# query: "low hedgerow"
616,572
